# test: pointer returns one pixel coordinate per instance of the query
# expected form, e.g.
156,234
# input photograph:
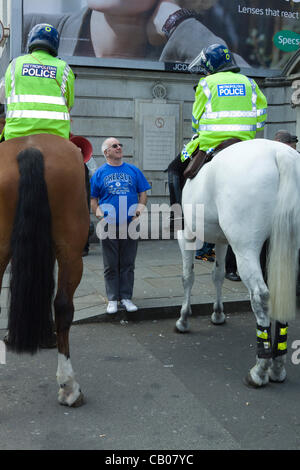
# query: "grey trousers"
119,262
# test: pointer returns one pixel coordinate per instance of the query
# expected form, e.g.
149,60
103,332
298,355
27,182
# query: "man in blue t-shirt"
118,195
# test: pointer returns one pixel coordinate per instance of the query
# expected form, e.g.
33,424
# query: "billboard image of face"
262,34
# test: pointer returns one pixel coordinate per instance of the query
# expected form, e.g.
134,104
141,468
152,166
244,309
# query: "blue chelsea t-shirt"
117,189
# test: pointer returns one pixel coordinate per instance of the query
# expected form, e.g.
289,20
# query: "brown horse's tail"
32,265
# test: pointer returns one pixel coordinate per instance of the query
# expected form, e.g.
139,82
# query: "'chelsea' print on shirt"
118,183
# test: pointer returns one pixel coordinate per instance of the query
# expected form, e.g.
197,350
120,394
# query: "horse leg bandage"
280,340
263,342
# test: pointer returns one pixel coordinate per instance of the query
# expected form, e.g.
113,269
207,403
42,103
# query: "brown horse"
43,217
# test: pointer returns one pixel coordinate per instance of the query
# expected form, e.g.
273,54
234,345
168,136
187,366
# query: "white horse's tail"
285,239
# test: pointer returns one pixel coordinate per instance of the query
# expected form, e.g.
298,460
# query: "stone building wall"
281,113
121,103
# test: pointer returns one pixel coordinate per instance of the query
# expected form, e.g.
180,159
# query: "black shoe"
232,276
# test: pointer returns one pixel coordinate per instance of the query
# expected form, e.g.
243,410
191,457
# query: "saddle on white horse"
199,158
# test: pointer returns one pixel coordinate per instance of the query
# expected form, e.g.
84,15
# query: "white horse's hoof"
218,318
278,378
182,328
258,376
79,401
73,400
248,380
277,371
70,395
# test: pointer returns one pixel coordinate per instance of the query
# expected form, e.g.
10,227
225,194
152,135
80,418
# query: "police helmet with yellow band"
213,59
43,36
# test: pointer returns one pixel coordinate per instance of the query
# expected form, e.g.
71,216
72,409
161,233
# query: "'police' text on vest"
40,71
234,89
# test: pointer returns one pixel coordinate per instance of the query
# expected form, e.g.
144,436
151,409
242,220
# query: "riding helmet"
213,59
43,36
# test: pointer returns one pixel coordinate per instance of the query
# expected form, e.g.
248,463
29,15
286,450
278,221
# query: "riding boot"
175,190
174,187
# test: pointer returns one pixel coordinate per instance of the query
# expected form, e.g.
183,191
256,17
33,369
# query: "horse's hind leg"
69,276
250,272
218,274
277,371
188,276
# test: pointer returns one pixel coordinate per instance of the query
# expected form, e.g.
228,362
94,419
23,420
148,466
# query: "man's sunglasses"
114,146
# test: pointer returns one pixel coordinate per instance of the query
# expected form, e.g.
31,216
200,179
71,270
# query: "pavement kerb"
164,312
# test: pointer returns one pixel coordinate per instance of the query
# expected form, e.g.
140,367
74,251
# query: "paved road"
149,388
158,287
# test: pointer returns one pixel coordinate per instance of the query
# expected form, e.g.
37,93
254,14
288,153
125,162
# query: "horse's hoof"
180,332
249,382
79,402
67,401
179,328
276,381
277,373
277,378
218,319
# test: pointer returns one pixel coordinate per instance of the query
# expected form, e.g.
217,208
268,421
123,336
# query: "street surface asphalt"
147,387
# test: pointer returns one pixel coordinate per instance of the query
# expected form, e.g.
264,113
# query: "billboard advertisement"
169,34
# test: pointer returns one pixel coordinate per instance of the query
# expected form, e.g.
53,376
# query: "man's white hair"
104,145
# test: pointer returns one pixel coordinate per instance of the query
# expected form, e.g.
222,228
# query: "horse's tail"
285,239
32,265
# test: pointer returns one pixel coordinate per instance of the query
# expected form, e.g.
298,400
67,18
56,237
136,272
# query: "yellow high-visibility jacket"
39,91
227,105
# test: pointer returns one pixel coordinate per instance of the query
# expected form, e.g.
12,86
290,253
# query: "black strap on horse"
199,158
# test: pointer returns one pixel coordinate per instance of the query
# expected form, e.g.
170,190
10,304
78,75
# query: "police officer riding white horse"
228,107
222,115
250,193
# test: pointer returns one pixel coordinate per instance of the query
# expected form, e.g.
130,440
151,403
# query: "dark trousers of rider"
119,262
174,187
176,179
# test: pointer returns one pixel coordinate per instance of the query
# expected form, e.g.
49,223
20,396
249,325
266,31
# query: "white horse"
251,193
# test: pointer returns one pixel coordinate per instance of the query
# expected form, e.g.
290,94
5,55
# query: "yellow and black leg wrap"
263,342
280,340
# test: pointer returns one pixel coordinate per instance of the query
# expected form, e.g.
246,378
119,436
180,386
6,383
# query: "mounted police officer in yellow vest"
39,88
227,103
228,107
